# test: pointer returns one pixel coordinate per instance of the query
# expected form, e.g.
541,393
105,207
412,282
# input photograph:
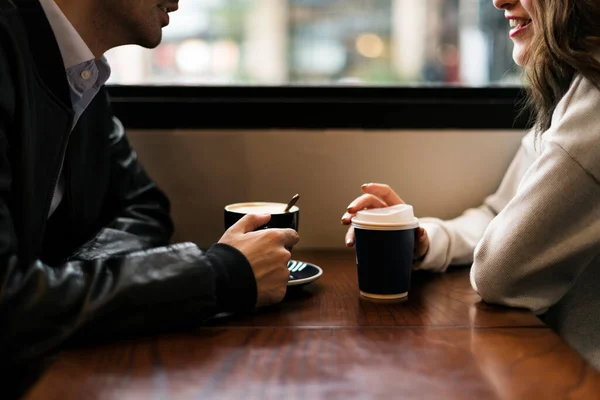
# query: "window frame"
319,107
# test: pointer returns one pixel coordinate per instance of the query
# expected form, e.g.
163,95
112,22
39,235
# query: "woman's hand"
378,195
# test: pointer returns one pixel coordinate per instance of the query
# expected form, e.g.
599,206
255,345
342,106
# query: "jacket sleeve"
534,251
136,210
452,242
41,306
163,288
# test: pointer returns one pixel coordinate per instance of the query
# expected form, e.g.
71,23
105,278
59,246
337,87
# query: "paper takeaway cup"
385,242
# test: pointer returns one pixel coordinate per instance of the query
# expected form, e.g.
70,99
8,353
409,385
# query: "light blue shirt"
85,74
85,80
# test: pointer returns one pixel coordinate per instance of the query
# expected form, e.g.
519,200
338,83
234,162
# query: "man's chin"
150,41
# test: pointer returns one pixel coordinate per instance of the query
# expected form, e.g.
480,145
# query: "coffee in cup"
279,218
385,243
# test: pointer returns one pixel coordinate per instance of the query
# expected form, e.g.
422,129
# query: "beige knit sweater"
535,243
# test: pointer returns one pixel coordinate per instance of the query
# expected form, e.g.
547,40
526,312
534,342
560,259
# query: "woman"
535,243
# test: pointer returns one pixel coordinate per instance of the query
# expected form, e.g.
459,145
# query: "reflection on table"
324,342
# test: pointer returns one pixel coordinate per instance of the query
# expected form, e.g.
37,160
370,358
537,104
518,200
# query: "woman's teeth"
519,22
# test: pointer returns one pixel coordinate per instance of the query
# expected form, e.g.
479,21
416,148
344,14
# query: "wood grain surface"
333,300
325,342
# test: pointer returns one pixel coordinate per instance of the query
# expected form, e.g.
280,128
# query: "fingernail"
364,185
350,206
349,243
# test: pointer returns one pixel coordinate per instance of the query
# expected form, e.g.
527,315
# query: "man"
83,230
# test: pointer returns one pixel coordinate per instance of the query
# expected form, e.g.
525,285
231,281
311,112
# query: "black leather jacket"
101,265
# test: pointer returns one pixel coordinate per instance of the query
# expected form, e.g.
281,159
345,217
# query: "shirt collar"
72,47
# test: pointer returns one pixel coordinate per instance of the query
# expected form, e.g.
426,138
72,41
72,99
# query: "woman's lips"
518,26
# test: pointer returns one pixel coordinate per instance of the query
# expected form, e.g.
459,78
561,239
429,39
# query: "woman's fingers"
384,192
347,218
365,201
376,195
421,242
350,237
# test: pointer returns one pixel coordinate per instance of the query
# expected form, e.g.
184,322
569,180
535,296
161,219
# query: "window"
325,43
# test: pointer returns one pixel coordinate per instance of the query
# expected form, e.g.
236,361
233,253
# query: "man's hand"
268,254
378,195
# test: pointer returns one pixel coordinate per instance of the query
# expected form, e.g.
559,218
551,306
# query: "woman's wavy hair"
566,42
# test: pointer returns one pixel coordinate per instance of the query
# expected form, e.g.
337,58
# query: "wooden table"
325,342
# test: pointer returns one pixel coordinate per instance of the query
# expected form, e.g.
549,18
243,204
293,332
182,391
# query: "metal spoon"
291,203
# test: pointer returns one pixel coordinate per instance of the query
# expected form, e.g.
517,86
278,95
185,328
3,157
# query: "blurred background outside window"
325,42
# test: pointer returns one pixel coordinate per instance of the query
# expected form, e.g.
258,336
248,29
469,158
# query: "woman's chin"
519,55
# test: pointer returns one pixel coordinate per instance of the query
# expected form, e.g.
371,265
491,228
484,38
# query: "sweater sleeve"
535,249
452,242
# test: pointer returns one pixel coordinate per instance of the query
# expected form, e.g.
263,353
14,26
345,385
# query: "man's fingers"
365,201
350,237
290,238
251,222
384,192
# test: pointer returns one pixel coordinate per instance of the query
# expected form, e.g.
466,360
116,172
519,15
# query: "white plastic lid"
398,217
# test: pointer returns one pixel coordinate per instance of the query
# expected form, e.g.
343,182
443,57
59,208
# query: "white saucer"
303,273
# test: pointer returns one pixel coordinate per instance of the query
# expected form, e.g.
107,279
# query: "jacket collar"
44,49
